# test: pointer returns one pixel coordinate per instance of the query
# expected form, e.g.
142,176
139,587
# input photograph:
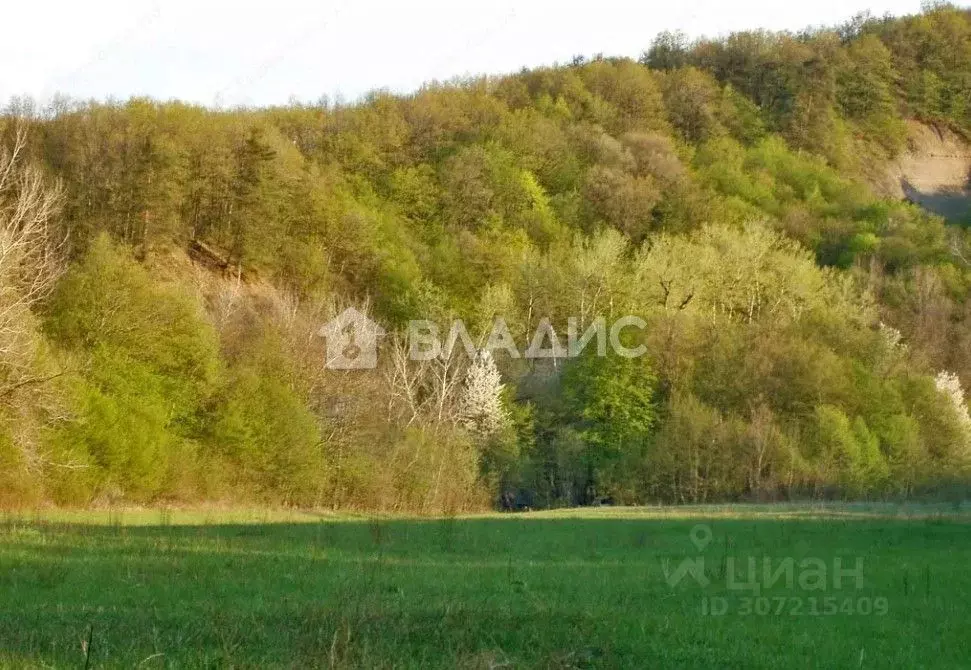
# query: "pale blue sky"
233,52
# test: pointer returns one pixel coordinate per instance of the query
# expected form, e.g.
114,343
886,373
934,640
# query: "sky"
227,53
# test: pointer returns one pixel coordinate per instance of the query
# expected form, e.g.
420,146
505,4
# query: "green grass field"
572,589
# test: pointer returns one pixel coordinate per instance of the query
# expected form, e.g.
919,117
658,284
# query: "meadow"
585,588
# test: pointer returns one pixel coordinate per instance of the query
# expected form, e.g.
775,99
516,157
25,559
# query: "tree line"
164,269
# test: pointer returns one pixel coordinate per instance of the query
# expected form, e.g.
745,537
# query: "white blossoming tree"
949,384
480,408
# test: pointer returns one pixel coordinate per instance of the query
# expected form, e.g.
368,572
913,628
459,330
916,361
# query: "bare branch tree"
406,400
31,260
424,391
31,252
956,249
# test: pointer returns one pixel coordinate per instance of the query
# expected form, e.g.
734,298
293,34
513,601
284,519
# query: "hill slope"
805,336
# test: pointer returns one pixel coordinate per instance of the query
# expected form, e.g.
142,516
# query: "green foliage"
109,305
265,430
149,362
613,399
721,189
851,449
611,402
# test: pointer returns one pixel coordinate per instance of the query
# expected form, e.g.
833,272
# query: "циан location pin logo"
701,536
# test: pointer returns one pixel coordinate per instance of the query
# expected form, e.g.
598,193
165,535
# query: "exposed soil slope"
934,172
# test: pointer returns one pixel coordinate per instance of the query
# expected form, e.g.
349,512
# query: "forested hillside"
165,268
